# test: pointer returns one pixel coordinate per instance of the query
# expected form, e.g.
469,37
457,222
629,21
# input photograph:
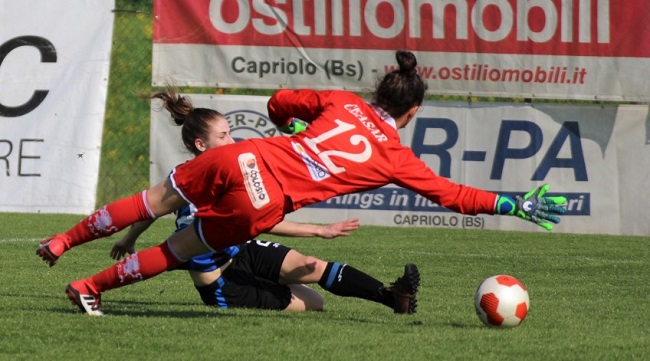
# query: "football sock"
136,267
108,220
347,281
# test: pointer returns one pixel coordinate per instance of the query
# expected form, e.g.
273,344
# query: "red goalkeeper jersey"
351,146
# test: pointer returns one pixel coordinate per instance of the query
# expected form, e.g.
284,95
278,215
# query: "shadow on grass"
136,308
459,325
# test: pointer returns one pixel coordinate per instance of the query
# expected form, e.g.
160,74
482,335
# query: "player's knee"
315,302
313,264
304,298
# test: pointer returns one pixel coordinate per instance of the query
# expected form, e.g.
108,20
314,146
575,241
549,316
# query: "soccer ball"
501,301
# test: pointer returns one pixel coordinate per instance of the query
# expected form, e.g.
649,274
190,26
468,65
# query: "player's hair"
194,122
402,88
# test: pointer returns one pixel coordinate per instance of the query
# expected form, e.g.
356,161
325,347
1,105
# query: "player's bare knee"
314,264
315,303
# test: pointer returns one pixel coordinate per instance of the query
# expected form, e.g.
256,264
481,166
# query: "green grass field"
590,300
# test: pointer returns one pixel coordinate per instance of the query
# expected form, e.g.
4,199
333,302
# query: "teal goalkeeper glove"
295,126
534,207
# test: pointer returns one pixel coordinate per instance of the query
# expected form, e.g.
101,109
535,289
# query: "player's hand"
295,126
339,229
534,207
122,247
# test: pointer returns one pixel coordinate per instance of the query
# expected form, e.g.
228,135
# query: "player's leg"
339,279
282,264
157,201
304,298
347,281
142,265
298,268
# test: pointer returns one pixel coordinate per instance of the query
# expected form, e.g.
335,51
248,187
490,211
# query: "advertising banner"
53,81
597,156
559,49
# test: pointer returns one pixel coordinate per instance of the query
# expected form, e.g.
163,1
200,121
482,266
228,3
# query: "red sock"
136,267
111,219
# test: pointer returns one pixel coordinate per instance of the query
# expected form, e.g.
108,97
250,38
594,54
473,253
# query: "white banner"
597,156
54,68
580,49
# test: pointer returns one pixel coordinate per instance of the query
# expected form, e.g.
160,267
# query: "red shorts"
235,195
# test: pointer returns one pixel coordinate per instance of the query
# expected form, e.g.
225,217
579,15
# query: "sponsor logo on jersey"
253,180
317,171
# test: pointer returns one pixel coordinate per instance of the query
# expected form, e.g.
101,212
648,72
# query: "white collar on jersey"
384,116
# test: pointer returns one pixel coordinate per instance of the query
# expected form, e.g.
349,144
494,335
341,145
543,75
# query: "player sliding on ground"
244,189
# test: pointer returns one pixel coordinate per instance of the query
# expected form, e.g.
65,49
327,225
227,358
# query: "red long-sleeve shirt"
351,146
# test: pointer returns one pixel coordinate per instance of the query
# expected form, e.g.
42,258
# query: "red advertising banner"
566,49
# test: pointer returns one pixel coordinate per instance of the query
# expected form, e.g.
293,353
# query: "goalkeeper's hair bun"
407,62
402,88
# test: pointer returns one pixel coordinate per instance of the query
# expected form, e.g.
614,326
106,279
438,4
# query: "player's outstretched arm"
327,231
127,243
534,207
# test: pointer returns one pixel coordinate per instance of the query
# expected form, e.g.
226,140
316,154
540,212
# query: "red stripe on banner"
545,27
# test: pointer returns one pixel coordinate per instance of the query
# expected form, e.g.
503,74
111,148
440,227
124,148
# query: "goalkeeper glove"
533,207
295,126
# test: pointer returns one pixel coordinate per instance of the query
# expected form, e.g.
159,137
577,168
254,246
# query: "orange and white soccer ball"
501,301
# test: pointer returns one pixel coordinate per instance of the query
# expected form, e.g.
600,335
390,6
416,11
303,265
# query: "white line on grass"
17,240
